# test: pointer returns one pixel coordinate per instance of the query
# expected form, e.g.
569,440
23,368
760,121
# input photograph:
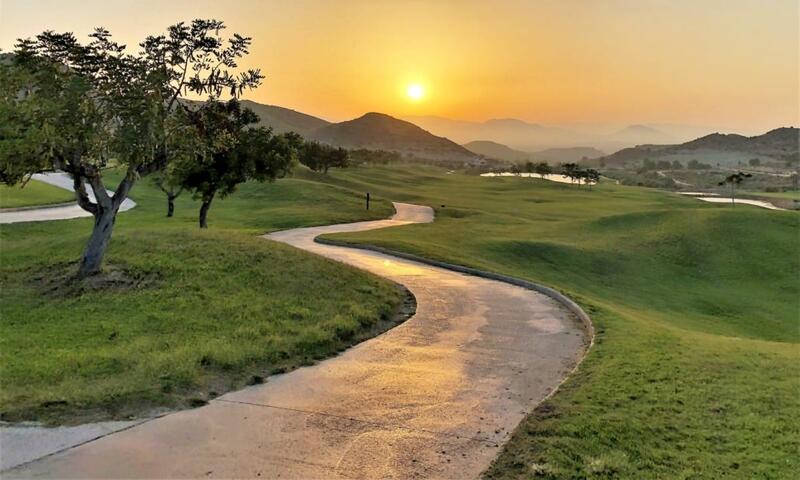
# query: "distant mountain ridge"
284,120
530,137
378,131
499,151
375,131
777,144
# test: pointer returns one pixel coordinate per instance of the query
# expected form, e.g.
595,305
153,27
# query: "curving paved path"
433,397
59,212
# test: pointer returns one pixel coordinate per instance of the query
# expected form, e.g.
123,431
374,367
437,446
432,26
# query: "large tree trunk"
204,210
104,209
170,206
92,258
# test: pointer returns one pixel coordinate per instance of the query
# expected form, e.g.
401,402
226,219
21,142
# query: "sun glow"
415,92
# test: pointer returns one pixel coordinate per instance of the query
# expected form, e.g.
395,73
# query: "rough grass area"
33,193
696,368
180,315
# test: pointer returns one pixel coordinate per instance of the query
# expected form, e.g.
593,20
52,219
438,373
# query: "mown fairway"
694,373
186,314
34,193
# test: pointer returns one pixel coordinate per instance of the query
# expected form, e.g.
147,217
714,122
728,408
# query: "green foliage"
695,165
321,157
228,153
363,156
69,106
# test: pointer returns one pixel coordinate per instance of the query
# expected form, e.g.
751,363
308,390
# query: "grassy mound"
34,193
695,370
180,315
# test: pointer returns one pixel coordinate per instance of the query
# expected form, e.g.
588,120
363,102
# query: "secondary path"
434,397
59,212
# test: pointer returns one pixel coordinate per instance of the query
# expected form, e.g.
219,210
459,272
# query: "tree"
543,169
528,167
591,176
570,171
754,162
231,152
320,157
695,165
676,165
167,182
73,107
735,179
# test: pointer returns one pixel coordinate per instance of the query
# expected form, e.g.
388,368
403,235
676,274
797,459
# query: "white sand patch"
746,201
552,178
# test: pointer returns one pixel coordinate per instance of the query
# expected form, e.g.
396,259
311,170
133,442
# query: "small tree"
570,171
320,157
734,179
166,181
592,176
528,167
231,153
543,169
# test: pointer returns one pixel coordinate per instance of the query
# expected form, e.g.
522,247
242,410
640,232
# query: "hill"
639,134
567,154
717,148
517,134
378,131
498,151
284,119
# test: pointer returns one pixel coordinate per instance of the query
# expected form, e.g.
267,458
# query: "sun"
415,92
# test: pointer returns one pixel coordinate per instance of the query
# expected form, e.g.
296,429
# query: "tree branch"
83,198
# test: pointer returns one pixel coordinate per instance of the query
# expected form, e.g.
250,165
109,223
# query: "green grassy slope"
34,193
695,370
192,313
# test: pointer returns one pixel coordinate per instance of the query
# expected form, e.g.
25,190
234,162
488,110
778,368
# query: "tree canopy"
230,152
81,108
321,157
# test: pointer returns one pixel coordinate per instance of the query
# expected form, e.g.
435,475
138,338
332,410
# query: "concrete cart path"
434,397
59,212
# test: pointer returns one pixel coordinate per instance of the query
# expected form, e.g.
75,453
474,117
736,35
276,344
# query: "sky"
732,64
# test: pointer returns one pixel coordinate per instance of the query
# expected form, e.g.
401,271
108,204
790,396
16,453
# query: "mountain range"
378,131
531,137
374,131
499,151
433,138
780,145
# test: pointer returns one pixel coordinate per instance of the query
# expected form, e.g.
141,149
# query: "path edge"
554,294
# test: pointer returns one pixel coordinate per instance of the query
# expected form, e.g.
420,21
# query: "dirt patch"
61,280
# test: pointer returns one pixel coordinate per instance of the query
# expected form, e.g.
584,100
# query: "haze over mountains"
435,138
530,137
499,151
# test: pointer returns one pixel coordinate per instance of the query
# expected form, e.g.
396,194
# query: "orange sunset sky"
732,64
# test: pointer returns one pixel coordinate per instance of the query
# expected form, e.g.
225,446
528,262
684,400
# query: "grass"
186,314
34,193
696,368
788,195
